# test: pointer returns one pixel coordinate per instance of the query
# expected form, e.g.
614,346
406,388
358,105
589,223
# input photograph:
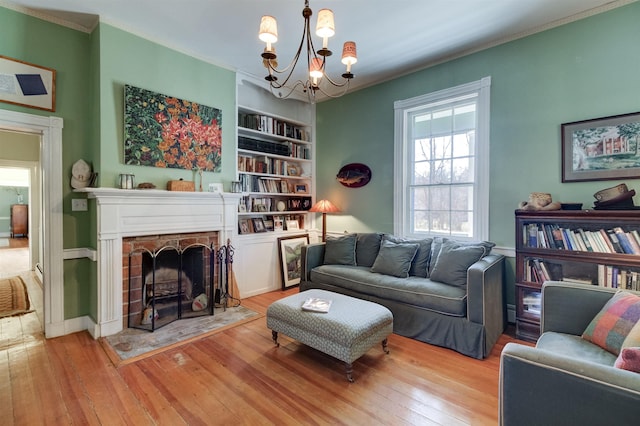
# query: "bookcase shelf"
576,246
275,168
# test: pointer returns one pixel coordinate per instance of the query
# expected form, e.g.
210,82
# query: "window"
442,163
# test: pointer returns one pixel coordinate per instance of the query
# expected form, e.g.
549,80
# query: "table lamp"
324,207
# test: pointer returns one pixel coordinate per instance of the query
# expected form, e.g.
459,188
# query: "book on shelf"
615,243
316,304
623,240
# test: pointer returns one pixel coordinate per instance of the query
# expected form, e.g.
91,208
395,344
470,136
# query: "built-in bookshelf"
589,247
274,172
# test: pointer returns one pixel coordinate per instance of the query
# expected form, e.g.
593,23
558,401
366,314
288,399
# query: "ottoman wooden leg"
349,367
385,348
274,336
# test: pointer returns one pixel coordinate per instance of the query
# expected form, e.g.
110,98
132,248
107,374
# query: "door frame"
50,130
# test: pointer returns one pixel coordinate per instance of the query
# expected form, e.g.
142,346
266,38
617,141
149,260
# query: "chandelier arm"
336,84
345,85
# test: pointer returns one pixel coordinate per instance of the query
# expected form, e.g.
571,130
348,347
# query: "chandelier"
316,60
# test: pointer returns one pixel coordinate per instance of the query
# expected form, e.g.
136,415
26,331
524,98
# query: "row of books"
252,183
551,236
268,165
271,125
269,204
539,271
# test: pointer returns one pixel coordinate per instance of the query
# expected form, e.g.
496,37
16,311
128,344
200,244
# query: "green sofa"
465,314
565,379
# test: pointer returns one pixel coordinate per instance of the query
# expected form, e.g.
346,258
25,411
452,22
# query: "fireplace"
168,277
146,215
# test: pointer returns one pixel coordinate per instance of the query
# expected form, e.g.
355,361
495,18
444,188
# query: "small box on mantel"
181,185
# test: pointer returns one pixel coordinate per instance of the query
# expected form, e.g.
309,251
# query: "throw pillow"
340,250
420,263
394,259
629,359
367,248
453,261
437,244
610,327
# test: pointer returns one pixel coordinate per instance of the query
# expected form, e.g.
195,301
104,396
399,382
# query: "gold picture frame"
26,84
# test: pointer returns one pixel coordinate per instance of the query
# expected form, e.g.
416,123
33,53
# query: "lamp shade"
316,68
349,54
268,29
325,26
324,206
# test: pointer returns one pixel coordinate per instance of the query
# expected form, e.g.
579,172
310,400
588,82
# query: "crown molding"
47,17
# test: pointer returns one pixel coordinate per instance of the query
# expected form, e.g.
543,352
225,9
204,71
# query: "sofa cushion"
574,347
340,250
453,261
394,259
610,327
436,245
415,291
420,263
629,359
367,248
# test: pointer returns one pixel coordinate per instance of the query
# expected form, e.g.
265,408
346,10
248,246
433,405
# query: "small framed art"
243,226
601,149
22,83
290,251
258,225
292,225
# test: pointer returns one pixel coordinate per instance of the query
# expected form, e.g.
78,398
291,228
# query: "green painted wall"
127,59
43,43
582,70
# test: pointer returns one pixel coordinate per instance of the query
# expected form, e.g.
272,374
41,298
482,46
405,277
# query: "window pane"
421,150
442,121
465,117
421,173
462,197
420,197
440,222
462,170
421,126
463,144
462,224
442,147
441,172
440,198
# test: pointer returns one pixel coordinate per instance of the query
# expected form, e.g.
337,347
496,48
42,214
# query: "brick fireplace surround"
123,213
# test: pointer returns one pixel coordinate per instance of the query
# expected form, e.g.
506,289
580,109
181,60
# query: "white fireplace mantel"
136,212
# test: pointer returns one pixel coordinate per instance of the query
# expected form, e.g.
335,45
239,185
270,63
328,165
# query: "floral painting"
164,131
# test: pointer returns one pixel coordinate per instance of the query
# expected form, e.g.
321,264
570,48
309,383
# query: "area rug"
132,344
14,299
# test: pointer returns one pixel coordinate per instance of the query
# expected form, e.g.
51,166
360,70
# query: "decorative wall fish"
354,175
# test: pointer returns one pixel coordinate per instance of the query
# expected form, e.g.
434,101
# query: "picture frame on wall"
290,254
604,148
25,84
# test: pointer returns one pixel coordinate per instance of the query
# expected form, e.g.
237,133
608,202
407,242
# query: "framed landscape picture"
601,149
290,251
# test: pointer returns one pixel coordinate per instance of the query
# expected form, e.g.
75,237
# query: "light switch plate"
79,205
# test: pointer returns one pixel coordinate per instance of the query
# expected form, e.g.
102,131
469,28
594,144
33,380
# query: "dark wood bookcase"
540,256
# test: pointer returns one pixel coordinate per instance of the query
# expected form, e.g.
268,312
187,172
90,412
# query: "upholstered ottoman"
350,328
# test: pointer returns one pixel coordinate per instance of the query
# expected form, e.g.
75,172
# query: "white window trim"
400,190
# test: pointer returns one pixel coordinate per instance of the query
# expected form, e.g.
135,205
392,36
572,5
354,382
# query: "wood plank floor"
238,377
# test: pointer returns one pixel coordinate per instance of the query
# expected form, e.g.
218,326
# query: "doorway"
49,131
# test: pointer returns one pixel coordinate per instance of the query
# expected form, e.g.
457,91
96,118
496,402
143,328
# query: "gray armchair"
566,380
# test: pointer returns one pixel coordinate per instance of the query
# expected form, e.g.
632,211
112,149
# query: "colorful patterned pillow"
614,322
629,359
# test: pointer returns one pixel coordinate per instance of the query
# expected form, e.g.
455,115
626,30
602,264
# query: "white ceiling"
393,37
